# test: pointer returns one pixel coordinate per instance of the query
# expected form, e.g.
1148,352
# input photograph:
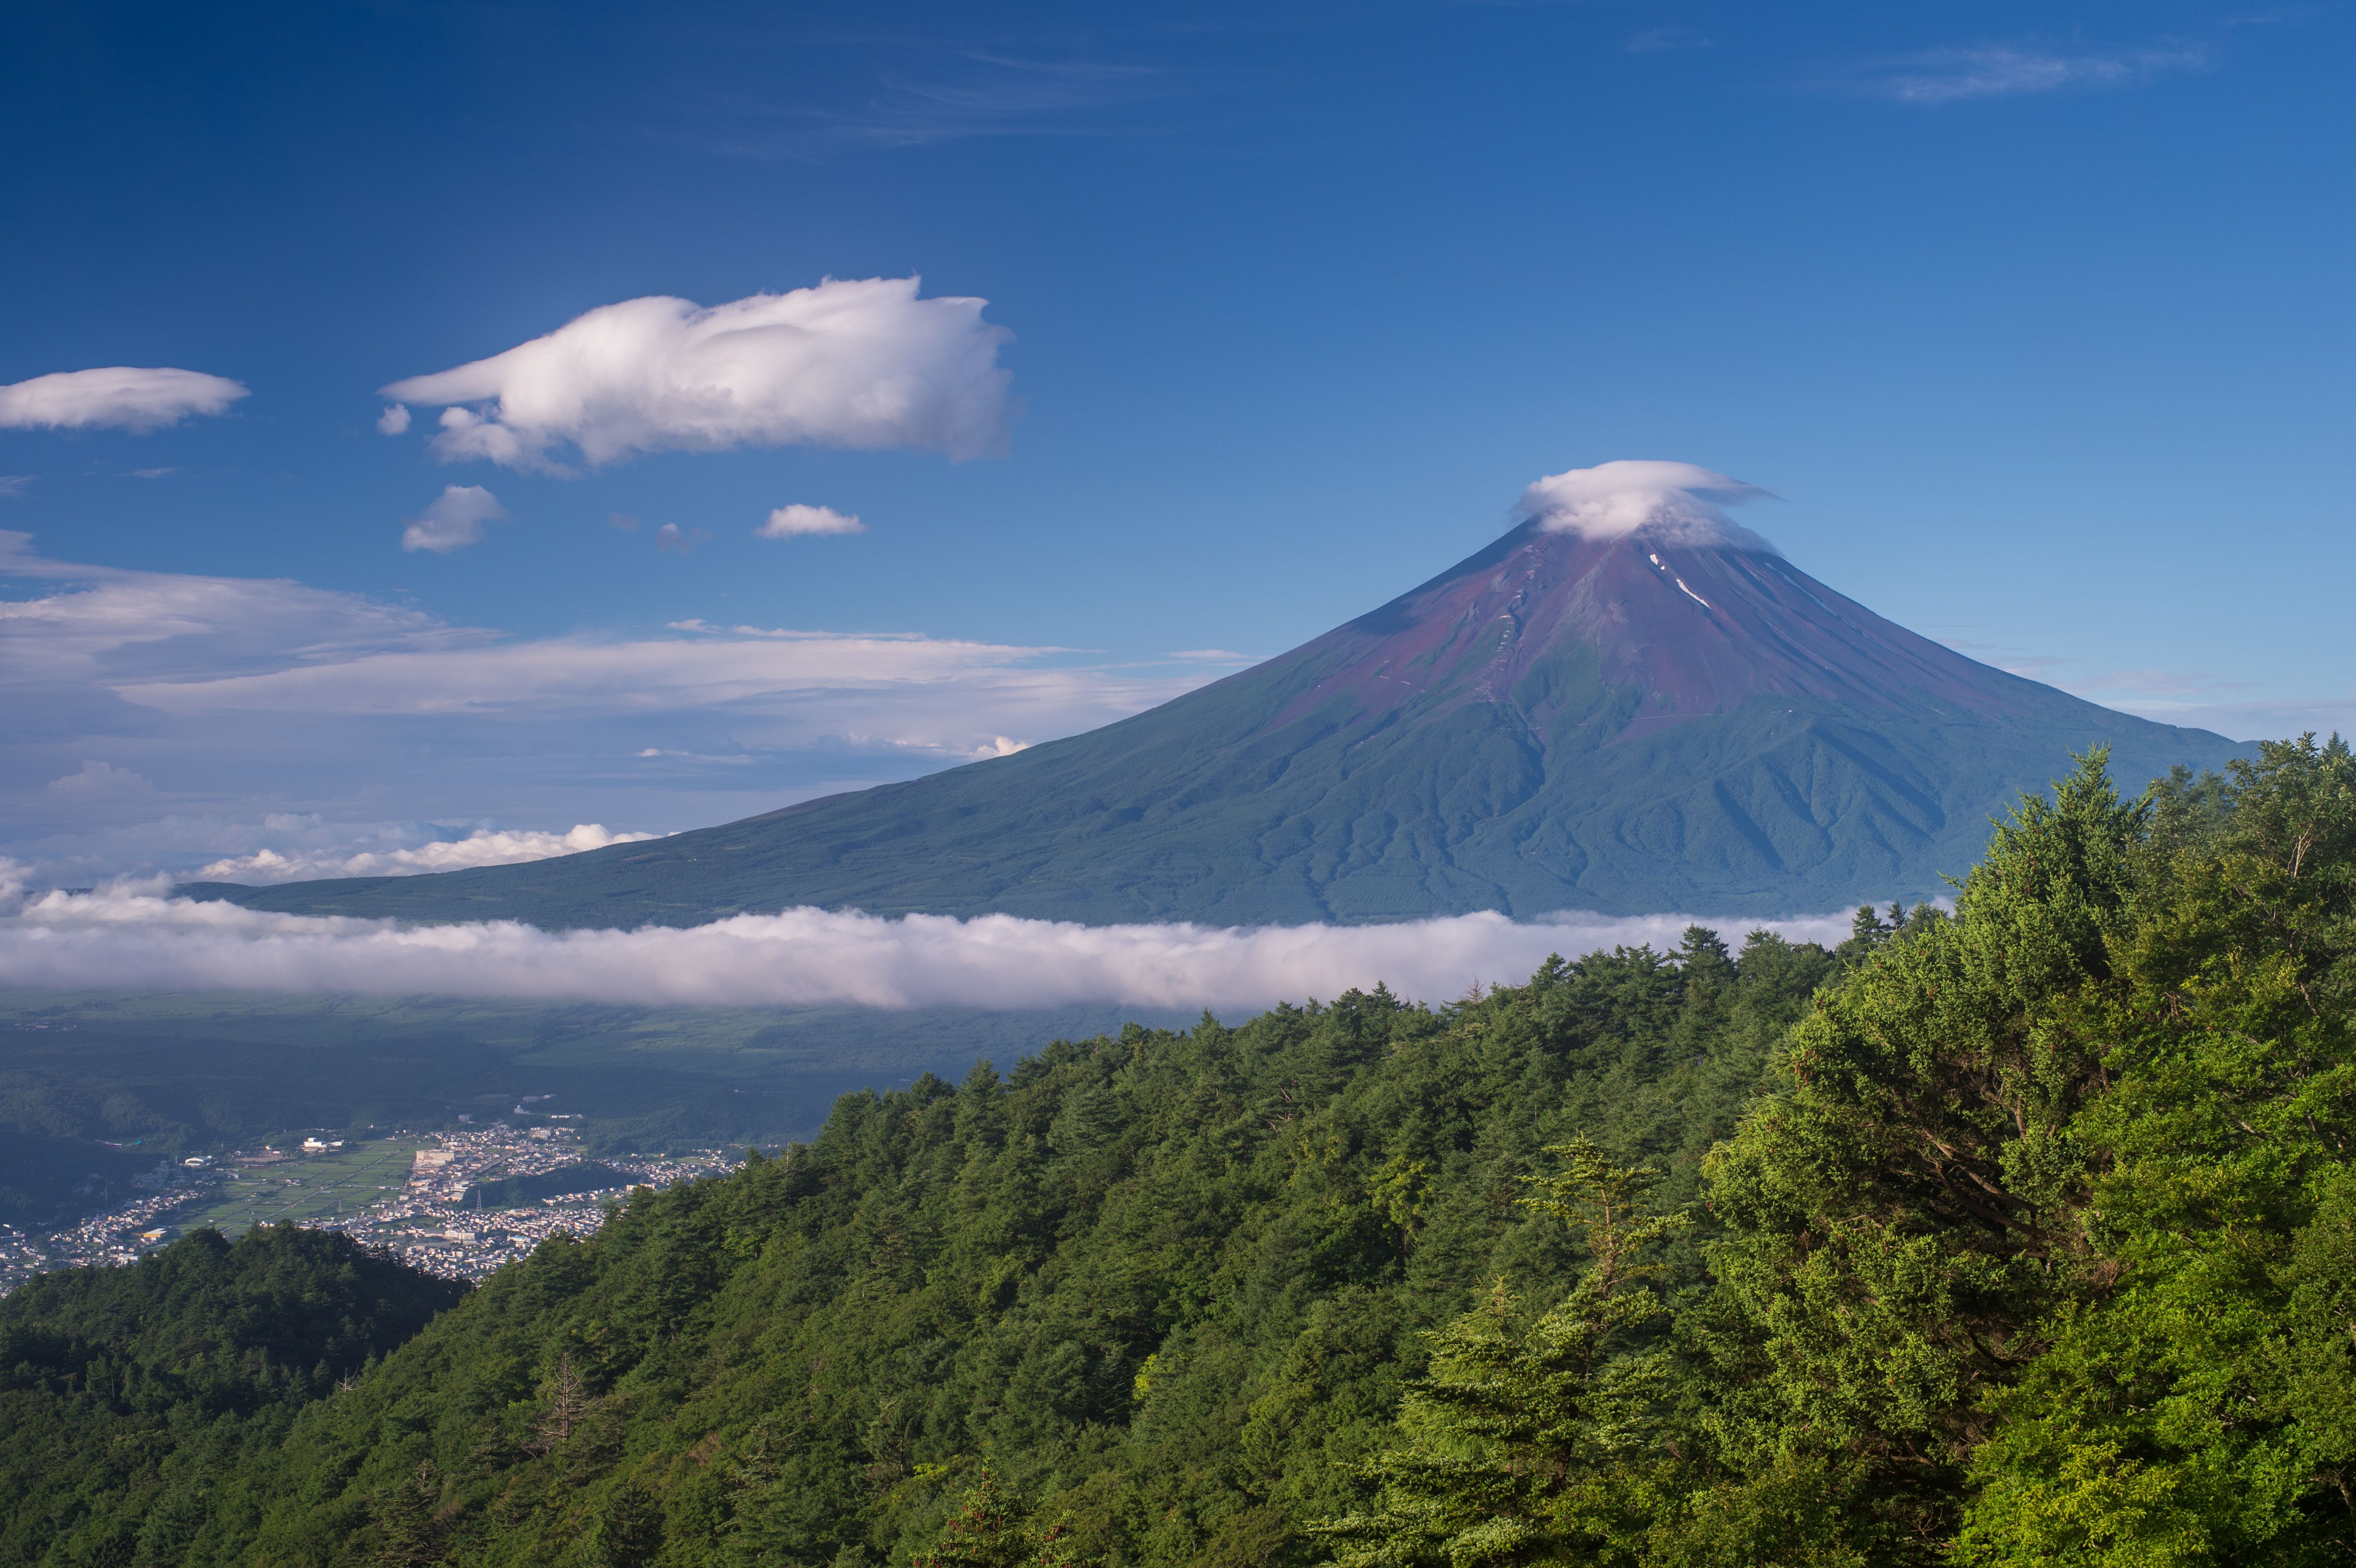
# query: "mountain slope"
1623,724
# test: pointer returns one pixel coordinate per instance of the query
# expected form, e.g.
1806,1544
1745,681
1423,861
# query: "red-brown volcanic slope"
1704,627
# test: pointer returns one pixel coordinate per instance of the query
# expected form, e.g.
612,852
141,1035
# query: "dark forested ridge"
127,1396
2022,1236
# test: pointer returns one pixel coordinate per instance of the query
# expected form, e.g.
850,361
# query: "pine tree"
408,1520
629,1529
1537,1440
992,1529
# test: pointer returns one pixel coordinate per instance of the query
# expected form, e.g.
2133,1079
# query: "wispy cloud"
931,93
2070,675
2156,683
734,666
241,695
983,94
1672,40
110,624
13,486
2251,719
2200,700
130,937
1960,72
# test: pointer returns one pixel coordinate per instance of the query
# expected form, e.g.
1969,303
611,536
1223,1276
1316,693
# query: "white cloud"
279,846
1000,746
1668,501
208,647
453,521
862,364
2006,70
1213,656
483,847
12,486
131,937
671,537
792,522
101,778
113,625
394,420
120,397
640,674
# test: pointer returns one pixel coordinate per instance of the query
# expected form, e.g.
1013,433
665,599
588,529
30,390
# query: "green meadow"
303,1190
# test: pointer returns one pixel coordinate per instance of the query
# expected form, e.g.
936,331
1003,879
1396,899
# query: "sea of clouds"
134,934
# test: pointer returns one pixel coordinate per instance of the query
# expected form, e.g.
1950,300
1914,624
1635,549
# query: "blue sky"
2036,318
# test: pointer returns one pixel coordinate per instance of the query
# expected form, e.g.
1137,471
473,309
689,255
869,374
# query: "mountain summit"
1627,704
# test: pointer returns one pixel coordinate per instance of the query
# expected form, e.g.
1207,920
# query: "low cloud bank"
129,936
483,847
864,364
118,396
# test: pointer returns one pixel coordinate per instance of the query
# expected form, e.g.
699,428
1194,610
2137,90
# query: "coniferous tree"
1536,1439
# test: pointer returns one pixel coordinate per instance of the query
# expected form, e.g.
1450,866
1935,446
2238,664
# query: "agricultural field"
304,1188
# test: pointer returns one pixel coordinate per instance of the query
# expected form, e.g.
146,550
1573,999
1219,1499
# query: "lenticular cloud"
862,364
118,396
801,957
1669,501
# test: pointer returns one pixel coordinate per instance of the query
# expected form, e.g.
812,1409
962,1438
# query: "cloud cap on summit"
1671,502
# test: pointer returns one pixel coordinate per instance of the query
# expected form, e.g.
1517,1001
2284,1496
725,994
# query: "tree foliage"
130,1397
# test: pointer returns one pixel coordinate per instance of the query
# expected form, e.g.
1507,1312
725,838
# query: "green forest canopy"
2025,1235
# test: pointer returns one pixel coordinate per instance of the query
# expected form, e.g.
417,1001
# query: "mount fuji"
1628,704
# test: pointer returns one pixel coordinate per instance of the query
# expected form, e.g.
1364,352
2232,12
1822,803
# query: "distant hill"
1626,725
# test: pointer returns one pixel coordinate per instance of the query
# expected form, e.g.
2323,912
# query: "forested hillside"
128,1395
2026,1235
